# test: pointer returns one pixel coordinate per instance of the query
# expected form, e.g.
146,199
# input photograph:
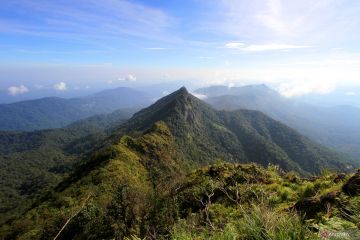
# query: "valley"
136,177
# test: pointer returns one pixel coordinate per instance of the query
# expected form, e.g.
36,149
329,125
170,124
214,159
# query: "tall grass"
351,211
259,223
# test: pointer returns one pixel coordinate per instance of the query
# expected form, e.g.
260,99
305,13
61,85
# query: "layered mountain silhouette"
204,134
147,156
336,127
54,112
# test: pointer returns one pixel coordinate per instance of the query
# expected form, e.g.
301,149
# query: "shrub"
258,223
307,190
263,223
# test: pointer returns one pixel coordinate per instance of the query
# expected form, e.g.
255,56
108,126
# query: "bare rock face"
352,186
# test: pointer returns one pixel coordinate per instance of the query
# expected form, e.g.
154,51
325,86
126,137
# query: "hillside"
58,112
204,134
122,177
139,187
123,183
336,127
35,161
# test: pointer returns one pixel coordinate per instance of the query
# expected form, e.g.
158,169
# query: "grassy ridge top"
143,186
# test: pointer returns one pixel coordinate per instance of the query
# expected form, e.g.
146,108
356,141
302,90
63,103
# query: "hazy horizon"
298,47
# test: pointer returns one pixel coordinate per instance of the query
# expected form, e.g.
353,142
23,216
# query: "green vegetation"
112,193
336,127
203,135
179,170
33,161
248,202
118,198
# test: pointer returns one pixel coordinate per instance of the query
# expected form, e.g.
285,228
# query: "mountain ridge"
31,162
134,183
336,127
194,122
55,112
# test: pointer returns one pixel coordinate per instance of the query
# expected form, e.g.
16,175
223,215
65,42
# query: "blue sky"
298,46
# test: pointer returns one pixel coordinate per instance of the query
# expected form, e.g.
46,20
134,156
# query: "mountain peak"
262,86
177,105
181,93
182,90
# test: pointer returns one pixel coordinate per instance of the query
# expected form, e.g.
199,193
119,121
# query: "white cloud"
234,45
338,49
272,47
103,19
350,93
263,47
331,62
199,96
131,78
273,17
231,85
281,20
16,90
128,78
299,88
61,86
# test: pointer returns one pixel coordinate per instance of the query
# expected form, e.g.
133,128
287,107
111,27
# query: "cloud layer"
262,47
296,89
128,78
17,90
61,86
298,46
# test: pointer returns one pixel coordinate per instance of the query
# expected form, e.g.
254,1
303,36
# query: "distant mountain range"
145,155
239,136
56,112
337,127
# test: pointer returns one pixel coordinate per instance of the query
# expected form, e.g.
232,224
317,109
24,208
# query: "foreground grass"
259,223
